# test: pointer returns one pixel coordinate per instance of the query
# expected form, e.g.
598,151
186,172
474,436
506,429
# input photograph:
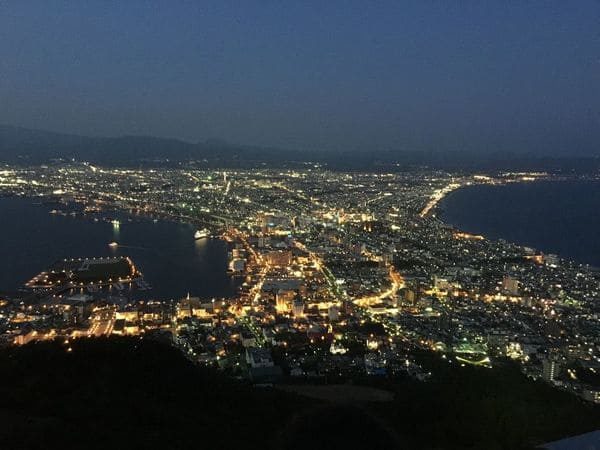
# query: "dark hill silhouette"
33,146
138,393
132,393
28,146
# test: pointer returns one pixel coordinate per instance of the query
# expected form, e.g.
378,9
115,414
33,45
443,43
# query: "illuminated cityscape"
285,225
340,274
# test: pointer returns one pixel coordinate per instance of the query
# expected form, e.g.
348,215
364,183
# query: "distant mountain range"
28,146
33,146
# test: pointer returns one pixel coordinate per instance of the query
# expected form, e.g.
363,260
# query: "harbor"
172,261
91,274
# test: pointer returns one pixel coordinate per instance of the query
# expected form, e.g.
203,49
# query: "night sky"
518,76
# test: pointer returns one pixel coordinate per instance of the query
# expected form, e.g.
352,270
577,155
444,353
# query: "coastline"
93,235
438,212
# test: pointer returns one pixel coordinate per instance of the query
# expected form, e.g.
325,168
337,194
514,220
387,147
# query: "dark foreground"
132,393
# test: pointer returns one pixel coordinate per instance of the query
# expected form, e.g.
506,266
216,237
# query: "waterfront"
346,266
166,252
555,217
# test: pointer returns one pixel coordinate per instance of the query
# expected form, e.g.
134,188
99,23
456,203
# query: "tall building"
333,313
298,307
284,299
510,285
550,370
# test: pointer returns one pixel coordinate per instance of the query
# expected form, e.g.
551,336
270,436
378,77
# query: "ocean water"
561,217
171,260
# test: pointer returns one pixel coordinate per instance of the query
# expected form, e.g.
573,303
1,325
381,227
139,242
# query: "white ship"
201,234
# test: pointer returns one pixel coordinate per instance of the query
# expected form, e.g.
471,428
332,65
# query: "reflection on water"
167,254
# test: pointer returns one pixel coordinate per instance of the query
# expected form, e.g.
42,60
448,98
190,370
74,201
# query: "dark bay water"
561,217
171,260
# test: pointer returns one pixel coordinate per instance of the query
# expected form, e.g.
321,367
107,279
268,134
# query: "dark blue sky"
519,76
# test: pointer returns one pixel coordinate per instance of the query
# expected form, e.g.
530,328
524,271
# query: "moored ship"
201,234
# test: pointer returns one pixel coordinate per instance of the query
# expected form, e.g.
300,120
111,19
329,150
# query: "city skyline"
342,288
299,225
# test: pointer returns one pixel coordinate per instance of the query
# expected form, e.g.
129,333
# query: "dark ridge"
26,146
129,393
140,393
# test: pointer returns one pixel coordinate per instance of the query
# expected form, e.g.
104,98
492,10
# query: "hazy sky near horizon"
485,76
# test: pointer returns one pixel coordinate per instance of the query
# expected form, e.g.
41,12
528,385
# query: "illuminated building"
591,395
510,285
279,258
259,357
550,369
284,299
298,307
237,265
333,313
